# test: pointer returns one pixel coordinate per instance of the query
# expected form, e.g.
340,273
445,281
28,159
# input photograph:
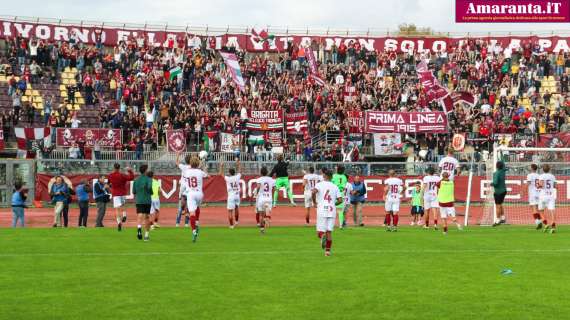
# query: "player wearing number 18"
326,196
192,180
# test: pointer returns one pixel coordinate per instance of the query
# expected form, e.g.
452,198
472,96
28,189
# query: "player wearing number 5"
192,180
234,191
326,196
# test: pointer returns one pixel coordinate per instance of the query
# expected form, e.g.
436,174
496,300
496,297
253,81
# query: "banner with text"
405,122
66,137
543,11
246,41
265,120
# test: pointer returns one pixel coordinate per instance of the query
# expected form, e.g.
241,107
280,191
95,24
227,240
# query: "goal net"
518,163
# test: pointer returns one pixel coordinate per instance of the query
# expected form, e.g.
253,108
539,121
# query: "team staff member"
101,197
18,203
82,191
357,199
142,189
500,192
282,180
118,182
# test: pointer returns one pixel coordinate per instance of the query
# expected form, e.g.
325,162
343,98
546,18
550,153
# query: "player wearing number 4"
446,199
193,178
326,196
310,180
233,188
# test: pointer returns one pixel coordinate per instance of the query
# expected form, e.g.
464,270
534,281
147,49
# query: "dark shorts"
499,197
143,208
417,210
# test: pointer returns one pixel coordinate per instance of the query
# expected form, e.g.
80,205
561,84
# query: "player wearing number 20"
310,180
326,196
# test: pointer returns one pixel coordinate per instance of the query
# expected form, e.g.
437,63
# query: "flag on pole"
436,92
232,62
174,72
29,139
313,69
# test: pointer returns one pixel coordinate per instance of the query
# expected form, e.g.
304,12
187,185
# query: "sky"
379,15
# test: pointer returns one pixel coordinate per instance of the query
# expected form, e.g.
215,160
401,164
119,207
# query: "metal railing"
71,166
156,155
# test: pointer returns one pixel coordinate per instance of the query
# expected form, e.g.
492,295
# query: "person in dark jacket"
82,191
357,199
59,193
101,197
279,172
65,211
500,191
18,204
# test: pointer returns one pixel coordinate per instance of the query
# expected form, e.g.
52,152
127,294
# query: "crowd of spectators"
128,86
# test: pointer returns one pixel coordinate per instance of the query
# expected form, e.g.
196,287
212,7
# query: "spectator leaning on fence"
18,203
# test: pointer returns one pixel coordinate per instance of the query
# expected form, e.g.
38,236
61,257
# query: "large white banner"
387,144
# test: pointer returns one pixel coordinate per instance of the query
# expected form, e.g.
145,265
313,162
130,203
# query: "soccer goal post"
518,161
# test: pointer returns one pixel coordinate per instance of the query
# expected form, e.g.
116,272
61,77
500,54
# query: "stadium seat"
77,94
25,98
62,87
69,106
3,78
28,85
76,107
67,69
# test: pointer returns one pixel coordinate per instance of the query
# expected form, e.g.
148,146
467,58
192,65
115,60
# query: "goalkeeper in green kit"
282,179
339,179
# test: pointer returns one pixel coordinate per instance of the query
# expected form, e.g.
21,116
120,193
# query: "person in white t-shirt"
193,179
310,180
393,187
264,198
533,193
547,198
234,190
429,190
449,164
326,196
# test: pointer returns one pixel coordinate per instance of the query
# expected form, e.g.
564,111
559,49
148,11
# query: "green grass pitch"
240,274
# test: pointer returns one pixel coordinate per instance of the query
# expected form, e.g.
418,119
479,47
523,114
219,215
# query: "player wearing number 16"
326,196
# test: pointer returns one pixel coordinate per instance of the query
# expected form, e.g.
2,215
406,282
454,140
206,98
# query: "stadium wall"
215,187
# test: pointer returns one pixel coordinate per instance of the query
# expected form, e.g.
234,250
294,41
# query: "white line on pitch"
208,253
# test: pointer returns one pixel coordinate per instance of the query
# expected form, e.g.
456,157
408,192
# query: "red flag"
1,139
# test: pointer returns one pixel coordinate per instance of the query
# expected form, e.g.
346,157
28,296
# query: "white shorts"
308,199
325,224
194,200
154,206
263,205
444,212
233,202
392,205
119,201
546,203
533,199
430,203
